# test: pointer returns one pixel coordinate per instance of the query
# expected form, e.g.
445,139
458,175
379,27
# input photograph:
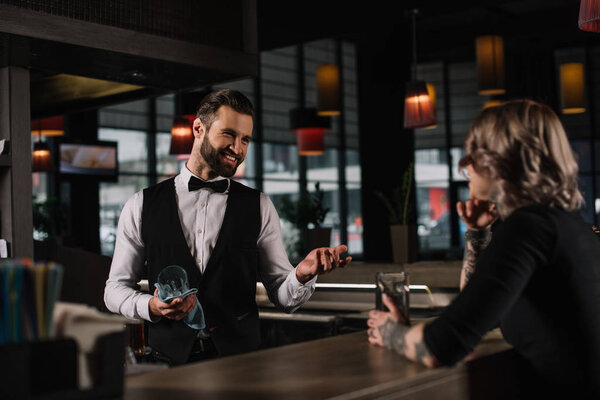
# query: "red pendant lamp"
182,137
41,159
310,128
418,107
52,126
589,15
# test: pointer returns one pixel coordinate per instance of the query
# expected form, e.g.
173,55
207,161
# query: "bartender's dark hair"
522,147
211,103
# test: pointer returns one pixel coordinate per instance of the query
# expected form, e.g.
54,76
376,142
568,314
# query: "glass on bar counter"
396,286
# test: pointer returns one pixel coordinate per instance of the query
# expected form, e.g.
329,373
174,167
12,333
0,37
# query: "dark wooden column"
16,214
530,72
84,204
386,148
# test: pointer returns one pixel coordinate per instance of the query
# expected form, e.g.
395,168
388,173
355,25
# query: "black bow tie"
219,186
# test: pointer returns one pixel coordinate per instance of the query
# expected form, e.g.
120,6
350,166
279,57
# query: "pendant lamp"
182,137
418,109
490,64
589,15
41,160
572,88
310,128
492,103
52,126
328,90
432,97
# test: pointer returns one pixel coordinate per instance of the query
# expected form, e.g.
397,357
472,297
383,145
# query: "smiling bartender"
224,234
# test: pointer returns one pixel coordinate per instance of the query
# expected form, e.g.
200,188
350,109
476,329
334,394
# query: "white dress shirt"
201,216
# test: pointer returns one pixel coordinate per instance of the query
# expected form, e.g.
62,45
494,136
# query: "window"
143,127
438,149
582,129
128,124
282,74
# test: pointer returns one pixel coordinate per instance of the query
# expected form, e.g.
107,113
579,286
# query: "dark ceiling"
444,28
445,31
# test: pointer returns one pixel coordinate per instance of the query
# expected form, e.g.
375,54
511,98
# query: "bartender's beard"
212,157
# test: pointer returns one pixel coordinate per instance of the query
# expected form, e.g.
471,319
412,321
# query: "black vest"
226,289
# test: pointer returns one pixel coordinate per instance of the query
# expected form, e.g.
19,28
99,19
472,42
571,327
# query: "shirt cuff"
143,308
296,284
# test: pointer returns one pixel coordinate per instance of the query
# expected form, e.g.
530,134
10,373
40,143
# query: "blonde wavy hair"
522,147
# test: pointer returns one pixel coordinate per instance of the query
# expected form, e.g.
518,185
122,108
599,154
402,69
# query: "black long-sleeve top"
539,279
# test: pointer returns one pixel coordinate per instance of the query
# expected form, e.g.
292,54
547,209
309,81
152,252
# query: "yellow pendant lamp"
328,90
490,65
572,88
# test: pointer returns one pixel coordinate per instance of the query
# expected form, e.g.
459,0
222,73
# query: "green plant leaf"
397,202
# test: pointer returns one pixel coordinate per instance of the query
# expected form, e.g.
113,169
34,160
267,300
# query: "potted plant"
307,213
403,230
49,220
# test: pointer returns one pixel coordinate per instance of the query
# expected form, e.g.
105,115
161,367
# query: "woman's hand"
379,321
477,214
391,330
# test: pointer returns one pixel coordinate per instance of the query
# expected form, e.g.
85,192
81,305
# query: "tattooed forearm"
408,341
422,352
475,242
393,335
479,239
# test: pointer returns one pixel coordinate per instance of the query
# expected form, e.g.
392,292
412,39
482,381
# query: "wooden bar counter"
339,367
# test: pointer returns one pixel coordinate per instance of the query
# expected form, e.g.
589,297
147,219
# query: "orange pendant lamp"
418,107
492,103
328,90
310,128
182,137
40,159
572,88
589,15
490,64
432,98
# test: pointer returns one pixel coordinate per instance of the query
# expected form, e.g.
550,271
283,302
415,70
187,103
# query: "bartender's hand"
477,214
321,260
176,309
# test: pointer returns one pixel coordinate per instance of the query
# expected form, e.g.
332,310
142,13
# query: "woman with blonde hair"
538,278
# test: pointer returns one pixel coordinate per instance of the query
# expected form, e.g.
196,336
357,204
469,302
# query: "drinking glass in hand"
395,285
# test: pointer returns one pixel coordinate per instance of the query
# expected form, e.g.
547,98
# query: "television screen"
98,159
